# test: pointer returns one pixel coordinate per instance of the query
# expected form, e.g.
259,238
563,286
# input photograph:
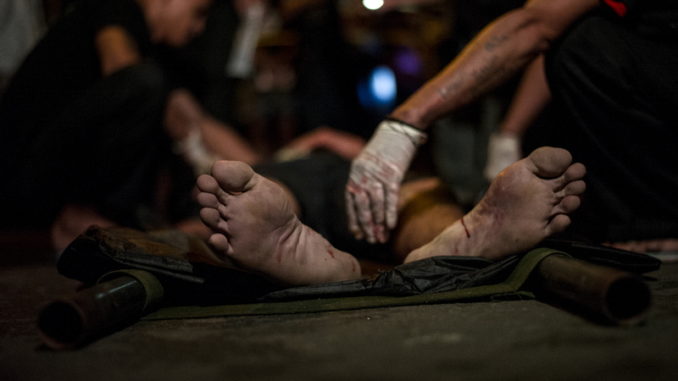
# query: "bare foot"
527,202
425,209
254,225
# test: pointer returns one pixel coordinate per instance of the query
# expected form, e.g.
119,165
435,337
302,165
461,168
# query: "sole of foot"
253,225
527,202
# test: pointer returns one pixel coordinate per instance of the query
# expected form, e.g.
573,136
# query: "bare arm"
184,115
117,50
504,148
341,143
501,50
226,143
531,96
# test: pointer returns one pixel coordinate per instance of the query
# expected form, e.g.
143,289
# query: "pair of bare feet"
254,225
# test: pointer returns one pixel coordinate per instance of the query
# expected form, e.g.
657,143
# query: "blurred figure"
90,120
21,25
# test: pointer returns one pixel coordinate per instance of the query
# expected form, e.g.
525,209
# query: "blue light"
383,85
378,91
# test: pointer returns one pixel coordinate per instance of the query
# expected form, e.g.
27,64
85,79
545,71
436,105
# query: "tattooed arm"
500,51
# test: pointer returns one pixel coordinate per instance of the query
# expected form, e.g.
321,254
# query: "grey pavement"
503,340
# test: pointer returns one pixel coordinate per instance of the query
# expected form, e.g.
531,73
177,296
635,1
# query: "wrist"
505,140
412,116
395,144
416,136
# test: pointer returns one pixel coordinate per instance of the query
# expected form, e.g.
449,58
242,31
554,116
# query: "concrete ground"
507,340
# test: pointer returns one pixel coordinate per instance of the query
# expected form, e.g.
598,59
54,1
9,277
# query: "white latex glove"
374,181
195,153
502,151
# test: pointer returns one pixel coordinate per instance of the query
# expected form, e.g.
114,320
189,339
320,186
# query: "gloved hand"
502,151
374,181
193,150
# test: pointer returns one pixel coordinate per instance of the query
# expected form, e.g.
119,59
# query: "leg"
527,202
109,143
101,150
185,118
254,226
72,221
615,93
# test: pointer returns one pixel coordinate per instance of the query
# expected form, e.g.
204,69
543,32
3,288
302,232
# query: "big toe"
550,161
233,176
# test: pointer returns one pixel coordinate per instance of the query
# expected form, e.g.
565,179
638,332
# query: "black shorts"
318,183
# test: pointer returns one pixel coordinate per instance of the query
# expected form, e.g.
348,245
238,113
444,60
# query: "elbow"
542,39
536,33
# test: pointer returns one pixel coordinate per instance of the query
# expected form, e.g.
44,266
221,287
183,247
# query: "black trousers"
318,183
104,150
615,107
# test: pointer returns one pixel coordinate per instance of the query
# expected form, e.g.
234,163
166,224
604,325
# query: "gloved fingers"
391,197
351,213
378,208
364,213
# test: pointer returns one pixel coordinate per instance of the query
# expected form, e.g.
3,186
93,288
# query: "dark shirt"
65,63
656,19
629,8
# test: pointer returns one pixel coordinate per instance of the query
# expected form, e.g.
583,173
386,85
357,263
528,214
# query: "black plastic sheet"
170,255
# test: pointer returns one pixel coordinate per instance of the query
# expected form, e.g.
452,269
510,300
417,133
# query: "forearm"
531,97
497,53
193,129
226,143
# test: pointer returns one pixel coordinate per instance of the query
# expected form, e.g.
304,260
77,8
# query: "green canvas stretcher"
511,288
136,270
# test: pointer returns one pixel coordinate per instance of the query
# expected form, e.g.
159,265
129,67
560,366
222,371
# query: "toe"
208,200
233,176
574,172
208,184
574,188
558,223
550,162
210,217
221,243
572,180
568,204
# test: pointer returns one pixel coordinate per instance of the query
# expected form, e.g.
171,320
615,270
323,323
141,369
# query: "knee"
132,101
